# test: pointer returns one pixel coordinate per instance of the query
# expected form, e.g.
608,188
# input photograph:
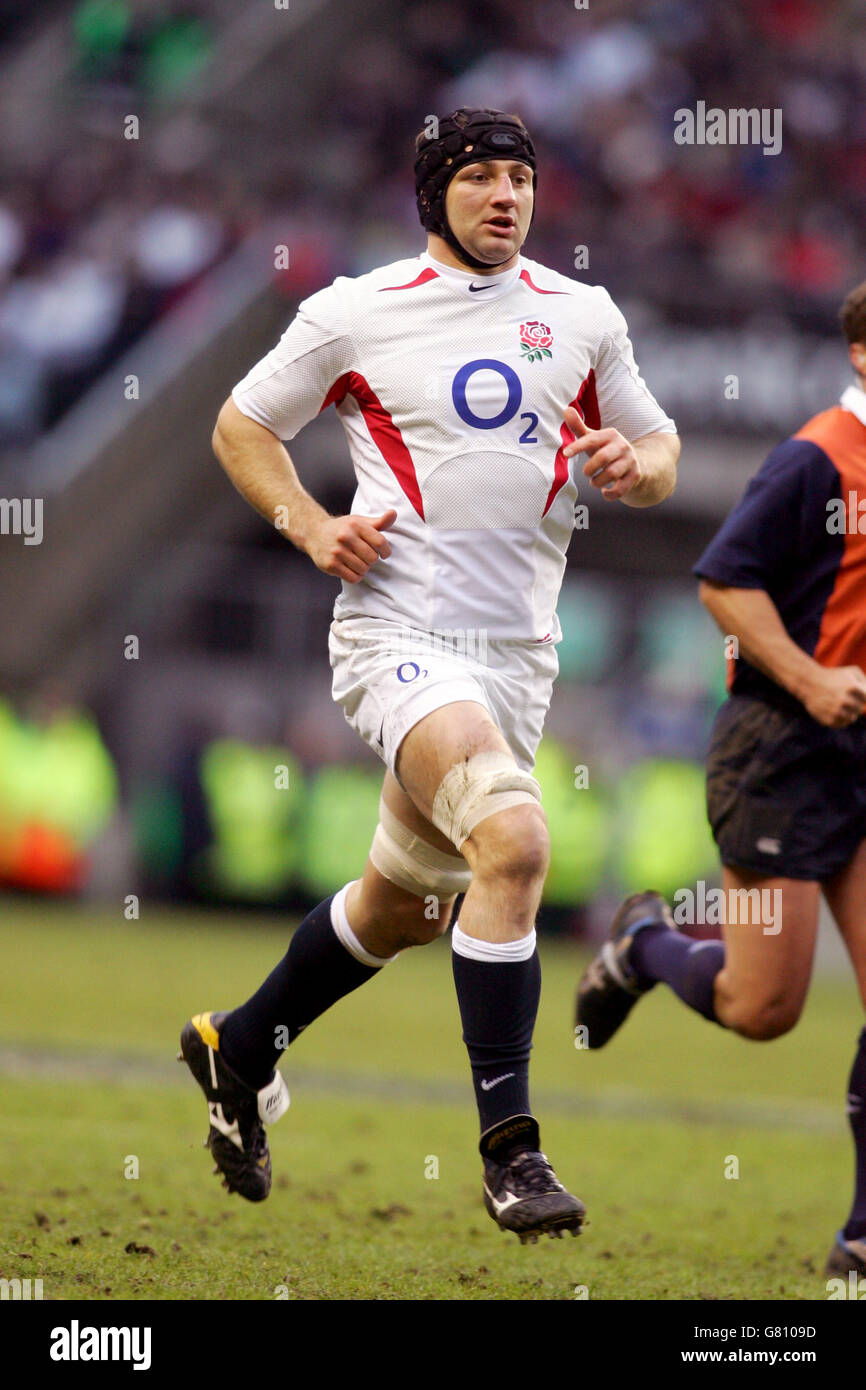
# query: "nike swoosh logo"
219,1121
488,1085
500,1207
473,289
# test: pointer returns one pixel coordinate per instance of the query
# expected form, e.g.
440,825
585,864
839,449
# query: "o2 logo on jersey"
508,411
409,671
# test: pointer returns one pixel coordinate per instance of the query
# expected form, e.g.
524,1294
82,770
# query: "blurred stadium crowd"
94,245
102,237
95,242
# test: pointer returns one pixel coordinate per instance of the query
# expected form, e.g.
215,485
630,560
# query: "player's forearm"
259,466
657,455
751,616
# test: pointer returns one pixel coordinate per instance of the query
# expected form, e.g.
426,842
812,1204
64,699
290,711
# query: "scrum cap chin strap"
465,137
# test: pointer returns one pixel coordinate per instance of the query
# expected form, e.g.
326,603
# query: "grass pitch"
377,1178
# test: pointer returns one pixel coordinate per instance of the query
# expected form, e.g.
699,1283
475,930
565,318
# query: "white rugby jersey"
451,388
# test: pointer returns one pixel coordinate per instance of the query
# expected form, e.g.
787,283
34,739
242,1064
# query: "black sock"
315,972
498,1000
689,967
855,1227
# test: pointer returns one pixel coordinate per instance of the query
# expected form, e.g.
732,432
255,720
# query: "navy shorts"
786,797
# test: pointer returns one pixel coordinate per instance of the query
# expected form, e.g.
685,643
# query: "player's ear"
857,354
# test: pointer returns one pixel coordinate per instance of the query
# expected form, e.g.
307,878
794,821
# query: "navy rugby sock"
498,989
855,1227
688,967
324,962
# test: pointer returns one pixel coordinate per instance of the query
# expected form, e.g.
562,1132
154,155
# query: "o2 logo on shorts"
409,671
508,411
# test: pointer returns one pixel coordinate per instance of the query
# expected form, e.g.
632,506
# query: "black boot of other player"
609,988
847,1257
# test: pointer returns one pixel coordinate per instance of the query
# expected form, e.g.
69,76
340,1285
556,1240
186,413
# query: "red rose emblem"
536,340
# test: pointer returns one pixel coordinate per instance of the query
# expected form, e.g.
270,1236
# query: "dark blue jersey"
796,533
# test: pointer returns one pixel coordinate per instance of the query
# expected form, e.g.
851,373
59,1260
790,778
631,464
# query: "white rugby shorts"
387,676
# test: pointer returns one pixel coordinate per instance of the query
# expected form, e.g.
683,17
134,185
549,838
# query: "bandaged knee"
477,788
414,865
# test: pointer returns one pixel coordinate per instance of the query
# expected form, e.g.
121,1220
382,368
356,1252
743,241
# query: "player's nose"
504,192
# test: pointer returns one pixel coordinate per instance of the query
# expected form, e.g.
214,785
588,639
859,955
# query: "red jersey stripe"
428,274
337,392
385,434
586,402
560,463
527,279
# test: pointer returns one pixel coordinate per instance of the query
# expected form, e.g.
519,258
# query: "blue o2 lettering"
529,436
461,405
409,671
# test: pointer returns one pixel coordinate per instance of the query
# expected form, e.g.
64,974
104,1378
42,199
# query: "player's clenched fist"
836,696
346,546
612,464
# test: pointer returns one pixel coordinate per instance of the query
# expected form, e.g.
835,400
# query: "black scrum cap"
464,137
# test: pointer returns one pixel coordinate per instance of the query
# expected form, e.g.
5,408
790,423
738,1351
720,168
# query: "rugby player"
466,379
786,774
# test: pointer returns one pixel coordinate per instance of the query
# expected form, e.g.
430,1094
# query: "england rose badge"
536,340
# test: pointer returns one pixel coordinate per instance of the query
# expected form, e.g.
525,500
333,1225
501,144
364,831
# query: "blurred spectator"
58,792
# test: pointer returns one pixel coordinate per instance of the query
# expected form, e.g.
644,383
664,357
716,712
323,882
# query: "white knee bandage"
410,862
473,790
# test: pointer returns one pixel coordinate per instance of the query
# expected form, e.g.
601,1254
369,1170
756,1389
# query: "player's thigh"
770,932
846,899
451,734
451,737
